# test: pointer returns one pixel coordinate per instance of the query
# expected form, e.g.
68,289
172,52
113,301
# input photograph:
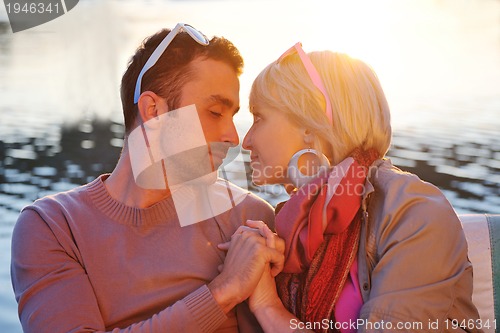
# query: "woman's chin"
262,176
258,182
261,182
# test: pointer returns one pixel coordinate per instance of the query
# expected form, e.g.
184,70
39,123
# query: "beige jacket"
414,272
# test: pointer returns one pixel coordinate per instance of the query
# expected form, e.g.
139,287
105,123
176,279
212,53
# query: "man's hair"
172,71
361,117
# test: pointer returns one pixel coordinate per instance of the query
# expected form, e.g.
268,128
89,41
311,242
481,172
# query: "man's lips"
219,149
219,152
218,155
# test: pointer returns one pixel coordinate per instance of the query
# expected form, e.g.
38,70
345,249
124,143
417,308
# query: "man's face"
188,144
215,92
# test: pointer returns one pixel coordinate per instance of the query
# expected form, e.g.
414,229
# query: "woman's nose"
247,143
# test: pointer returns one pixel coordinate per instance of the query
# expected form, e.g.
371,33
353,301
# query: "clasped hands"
255,255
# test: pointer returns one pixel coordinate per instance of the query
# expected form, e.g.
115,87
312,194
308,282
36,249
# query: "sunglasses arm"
154,58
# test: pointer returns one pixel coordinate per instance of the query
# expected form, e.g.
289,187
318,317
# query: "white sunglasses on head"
197,35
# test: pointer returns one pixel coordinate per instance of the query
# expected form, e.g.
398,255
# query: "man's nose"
229,134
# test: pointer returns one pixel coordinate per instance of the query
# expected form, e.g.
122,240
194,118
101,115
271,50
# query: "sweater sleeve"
54,293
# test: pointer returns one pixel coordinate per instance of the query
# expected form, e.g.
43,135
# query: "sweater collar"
156,214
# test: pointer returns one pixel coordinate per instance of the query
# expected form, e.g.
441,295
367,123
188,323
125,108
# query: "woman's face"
272,140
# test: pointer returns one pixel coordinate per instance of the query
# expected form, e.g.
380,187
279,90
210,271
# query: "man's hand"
251,249
272,241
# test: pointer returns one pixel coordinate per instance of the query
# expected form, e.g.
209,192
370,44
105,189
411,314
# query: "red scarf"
321,224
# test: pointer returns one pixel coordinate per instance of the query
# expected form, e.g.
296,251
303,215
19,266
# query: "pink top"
349,302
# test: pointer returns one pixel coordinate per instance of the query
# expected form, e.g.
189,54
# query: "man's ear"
150,105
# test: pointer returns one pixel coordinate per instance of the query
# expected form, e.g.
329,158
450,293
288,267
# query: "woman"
368,246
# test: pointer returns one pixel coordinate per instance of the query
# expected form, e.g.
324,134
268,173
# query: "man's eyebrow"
224,101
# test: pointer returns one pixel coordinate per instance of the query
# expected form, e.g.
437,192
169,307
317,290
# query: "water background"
438,61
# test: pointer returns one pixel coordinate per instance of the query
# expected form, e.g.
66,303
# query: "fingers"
275,244
269,253
264,232
272,240
277,260
244,228
224,246
270,237
258,232
258,227
255,223
280,244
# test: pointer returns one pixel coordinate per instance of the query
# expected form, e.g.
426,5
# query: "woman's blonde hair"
361,117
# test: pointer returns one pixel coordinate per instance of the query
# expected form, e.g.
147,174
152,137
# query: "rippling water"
439,61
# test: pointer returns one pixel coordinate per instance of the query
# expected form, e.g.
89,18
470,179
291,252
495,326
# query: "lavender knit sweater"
84,262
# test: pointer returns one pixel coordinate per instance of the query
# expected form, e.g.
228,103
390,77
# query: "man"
114,255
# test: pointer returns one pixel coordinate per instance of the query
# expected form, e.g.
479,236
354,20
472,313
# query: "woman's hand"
250,252
265,295
268,308
264,301
272,241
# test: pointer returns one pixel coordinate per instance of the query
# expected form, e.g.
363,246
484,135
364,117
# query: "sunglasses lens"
197,35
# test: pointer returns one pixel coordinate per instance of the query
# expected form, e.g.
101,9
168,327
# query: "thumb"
277,261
